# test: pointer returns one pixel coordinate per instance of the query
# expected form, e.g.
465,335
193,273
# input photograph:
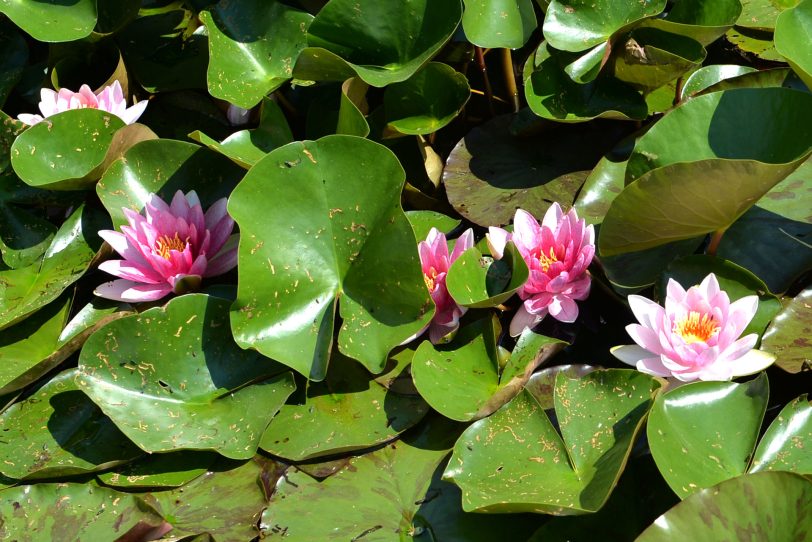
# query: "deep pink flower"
696,335
557,252
170,249
110,99
436,261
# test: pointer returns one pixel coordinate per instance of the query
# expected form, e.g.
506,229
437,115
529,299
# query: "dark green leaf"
788,336
499,23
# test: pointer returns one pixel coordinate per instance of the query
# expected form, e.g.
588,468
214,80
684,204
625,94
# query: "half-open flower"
170,249
110,99
436,261
557,252
695,336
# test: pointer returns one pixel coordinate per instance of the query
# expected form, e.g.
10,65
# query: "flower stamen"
546,261
695,327
430,278
164,244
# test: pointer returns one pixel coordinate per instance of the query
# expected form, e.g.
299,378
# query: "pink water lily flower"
170,249
436,261
557,252
695,336
110,99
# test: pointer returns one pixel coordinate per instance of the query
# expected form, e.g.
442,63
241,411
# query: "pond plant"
434,270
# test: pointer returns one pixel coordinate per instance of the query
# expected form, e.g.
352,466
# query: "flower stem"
480,59
714,242
510,79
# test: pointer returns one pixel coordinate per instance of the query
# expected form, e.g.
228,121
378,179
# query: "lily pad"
516,461
600,188
224,502
52,20
481,282
463,379
188,386
65,151
423,221
348,411
703,433
762,14
499,23
699,19
25,290
427,101
552,94
774,506
164,166
391,494
785,444
578,25
491,173
756,43
380,43
792,31
322,228
74,512
788,336
708,76
253,45
168,470
57,432
247,147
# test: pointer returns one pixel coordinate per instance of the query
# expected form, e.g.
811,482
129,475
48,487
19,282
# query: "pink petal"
180,206
752,362
132,292
742,311
526,229
647,312
738,348
47,104
132,114
523,319
29,119
645,337
220,234
225,260
464,242
216,213
126,270
552,218
497,238
438,332
563,309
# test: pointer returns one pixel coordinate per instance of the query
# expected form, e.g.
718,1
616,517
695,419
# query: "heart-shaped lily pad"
187,387
705,432
348,411
25,290
463,379
380,43
321,228
516,461
253,45
58,431
65,151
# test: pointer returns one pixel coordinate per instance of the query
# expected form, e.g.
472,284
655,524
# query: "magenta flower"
170,249
696,335
435,261
110,99
557,252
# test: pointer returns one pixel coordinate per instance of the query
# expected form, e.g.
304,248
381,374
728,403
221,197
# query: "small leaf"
480,282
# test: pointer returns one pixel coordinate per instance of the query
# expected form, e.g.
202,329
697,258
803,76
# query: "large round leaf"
705,432
253,45
491,172
189,386
162,167
74,512
463,379
515,460
686,199
736,281
792,31
552,94
382,43
65,151
499,23
394,493
774,506
25,290
788,336
578,25
427,101
348,411
321,226
785,444
52,20
481,282
776,130
58,431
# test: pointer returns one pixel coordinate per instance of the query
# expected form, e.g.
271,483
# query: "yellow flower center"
165,243
547,260
430,278
695,327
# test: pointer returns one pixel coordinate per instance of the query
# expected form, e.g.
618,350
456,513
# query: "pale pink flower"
170,249
696,335
557,252
110,99
436,262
